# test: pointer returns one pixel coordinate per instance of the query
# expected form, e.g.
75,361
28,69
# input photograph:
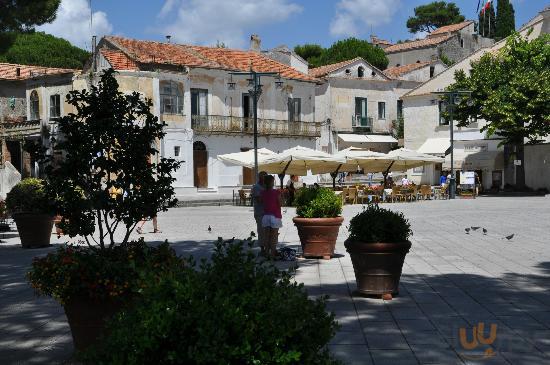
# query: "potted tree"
31,210
378,242
107,146
318,221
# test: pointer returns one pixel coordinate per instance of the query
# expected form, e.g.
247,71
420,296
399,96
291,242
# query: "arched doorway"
200,165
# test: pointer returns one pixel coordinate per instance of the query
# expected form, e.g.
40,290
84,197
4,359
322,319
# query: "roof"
118,60
325,70
8,71
150,52
420,43
450,28
394,72
367,138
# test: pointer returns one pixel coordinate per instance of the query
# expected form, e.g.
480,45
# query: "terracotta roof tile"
421,43
8,71
450,28
118,60
149,52
394,72
325,70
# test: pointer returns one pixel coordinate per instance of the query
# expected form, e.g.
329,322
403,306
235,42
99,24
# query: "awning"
435,146
367,138
488,160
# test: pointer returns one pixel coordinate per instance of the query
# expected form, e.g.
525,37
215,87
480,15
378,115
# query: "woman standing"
272,219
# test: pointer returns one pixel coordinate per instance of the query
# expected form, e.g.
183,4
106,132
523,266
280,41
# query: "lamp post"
255,91
454,98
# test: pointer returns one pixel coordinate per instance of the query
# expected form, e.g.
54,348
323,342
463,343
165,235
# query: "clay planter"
318,235
34,229
377,266
87,319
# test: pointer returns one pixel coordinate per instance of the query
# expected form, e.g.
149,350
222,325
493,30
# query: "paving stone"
395,357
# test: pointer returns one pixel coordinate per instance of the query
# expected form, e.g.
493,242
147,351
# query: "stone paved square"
451,280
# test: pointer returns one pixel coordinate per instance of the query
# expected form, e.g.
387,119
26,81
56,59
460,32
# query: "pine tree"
487,23
505,20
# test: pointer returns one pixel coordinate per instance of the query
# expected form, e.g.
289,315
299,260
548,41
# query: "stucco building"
427,131
207,110
453,42
360,104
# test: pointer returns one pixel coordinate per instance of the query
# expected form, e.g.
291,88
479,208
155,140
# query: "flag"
486,7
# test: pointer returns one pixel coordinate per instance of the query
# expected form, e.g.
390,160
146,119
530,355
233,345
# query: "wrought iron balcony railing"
362,122
238,125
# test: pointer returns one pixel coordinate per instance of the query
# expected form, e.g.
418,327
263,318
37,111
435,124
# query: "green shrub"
375,224
317,203
231,310
28,196
80,271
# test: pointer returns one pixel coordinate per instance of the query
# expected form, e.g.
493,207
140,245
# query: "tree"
311,53
510,90
40,49
487,22
107,176
434,15
18,15
505,20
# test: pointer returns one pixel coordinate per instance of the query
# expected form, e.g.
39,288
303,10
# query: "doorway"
16,158
248,173
200,165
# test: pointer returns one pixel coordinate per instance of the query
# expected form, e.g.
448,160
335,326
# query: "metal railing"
362,122
20,128
228,125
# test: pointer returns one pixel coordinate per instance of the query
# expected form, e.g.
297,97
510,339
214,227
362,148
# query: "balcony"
19,128
219,124
362,123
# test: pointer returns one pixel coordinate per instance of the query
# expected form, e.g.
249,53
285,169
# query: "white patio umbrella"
246,158
403,159
360,159
298,160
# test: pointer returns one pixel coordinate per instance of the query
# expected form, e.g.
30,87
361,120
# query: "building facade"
207,109
360,104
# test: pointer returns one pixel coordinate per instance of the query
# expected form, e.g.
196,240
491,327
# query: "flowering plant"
80,271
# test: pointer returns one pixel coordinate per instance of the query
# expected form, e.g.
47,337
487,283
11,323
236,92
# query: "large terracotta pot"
87,319
318,235
34,229
377,266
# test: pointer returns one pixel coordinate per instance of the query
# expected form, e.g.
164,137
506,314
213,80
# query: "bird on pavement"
484,231
475,228
209,229
509,237
467,230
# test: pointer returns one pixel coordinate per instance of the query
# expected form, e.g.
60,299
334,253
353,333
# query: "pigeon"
209,229
467,230
475,228
509,237
484,231
284,211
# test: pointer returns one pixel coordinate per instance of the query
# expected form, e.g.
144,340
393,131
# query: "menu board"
467,178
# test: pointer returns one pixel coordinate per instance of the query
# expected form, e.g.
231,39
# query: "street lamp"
255,91
454,98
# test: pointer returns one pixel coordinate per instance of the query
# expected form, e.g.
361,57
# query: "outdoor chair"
244,197
352,195
344,195
425,192
396,194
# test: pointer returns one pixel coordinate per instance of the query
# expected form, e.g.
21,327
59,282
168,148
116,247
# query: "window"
199,102
248,106
432,71
360,118
176,151
34,106
55,106
294,109
462,43
442,120
171,97
381,110
348,71
399,109
360,71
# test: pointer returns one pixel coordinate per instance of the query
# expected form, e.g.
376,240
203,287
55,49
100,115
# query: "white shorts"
271,221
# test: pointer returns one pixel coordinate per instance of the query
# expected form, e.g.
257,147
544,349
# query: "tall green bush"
28,196
231,310
375,224
317,203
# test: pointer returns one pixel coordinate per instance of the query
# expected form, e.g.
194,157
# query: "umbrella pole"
386,173
282,174
334,175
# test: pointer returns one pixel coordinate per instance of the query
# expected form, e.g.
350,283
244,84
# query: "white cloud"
208,21
73,23
354,17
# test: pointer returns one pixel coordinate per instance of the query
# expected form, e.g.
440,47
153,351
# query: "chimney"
255,43
168,37
18,72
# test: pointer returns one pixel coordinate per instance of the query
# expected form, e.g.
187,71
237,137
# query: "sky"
277,22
